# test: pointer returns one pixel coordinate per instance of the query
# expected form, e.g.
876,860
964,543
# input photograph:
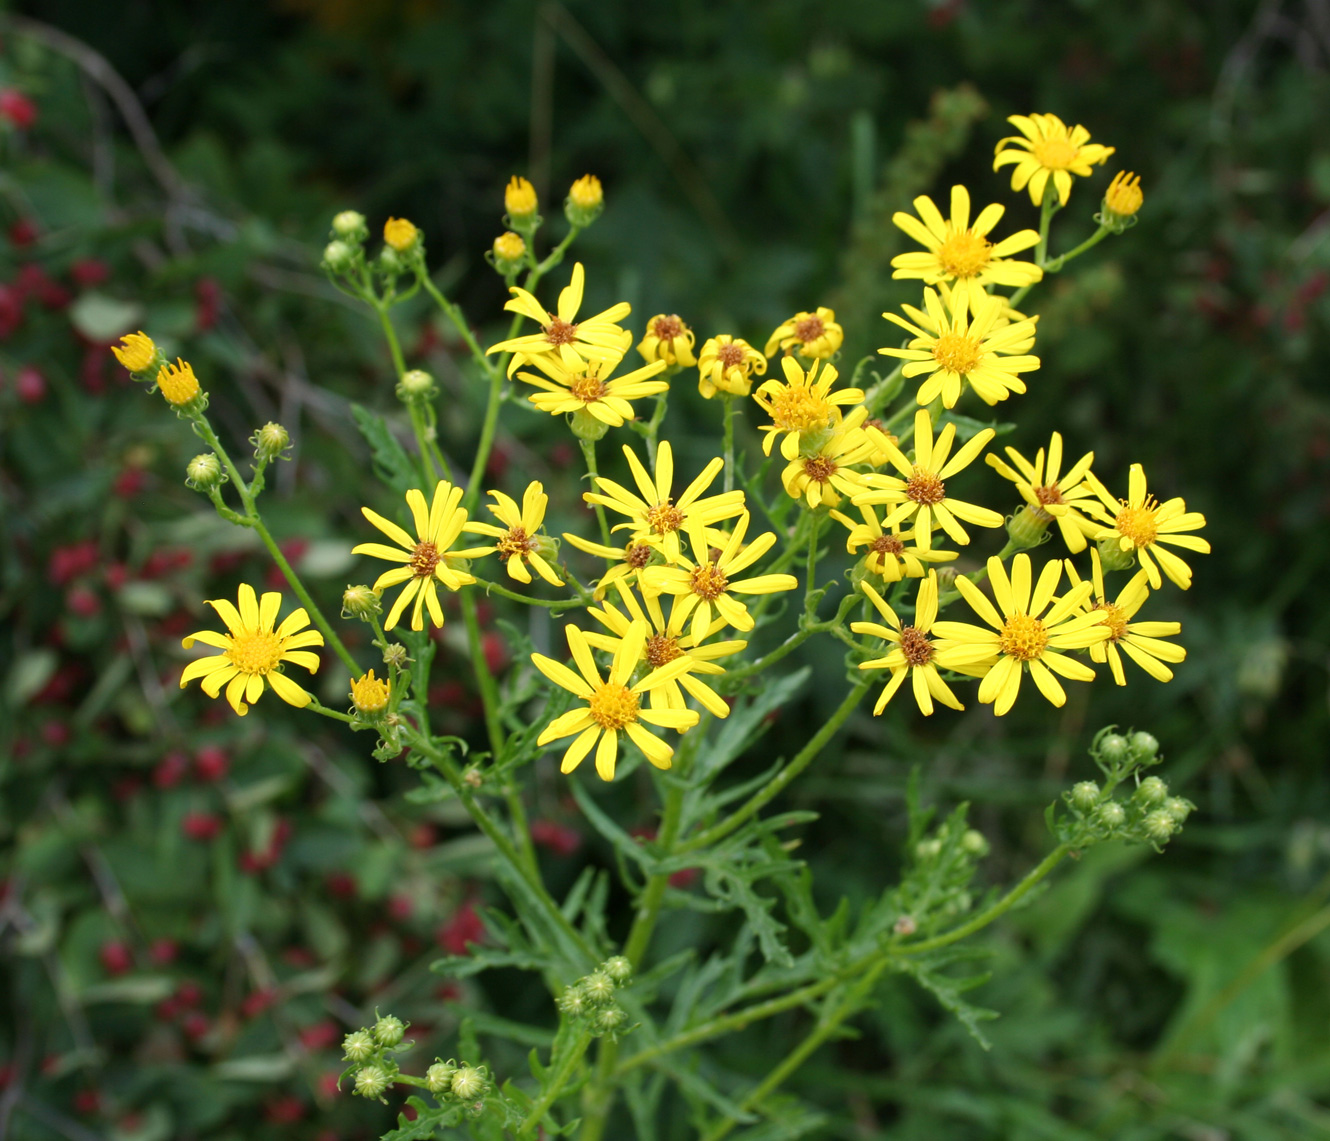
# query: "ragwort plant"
684,576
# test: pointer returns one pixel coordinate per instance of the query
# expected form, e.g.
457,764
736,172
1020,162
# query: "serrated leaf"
948,992
391,463
966,427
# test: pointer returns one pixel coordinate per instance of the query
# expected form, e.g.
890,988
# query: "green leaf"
391,463
102,319
948,992
745,723
967,427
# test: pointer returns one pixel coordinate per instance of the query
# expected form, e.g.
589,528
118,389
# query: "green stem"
557,1082
729,443
428,470
589,454
503,592
876,395
792,643
810,570
1048,208
488,429
1055,266
315,706
489,690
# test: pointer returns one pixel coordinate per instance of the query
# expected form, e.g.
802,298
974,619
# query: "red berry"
201,826
189,994
167,1010
195,1025
256,1002
170,770
285,1110
341,884
320,1036
129,482
423,836
87,1101
496,651
558,838
30,385
23,232
463,929
210,763
116,957
163,952
88,272
18,108
401,907
83,602
55,733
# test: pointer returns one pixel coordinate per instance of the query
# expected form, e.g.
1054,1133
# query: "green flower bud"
586,427
1151,791
358,1046
608,1020
338,256
1144,745
360,602
439,1077
388,1030
395,655
469,1082
618,968
1084,795
390,261
946,578
270,442
1028,527
1111,815
928,849
598,988
573,1001
371,1081
1113,748
350,225
204,472
416,385
1159,826
1112,557
1178,809
975,843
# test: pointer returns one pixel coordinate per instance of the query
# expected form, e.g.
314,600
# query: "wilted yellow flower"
961,253
400,234
1053,495
520,535
812,335
1047,148
136,351
728,364
668,339
891,554
1124,196
253,652
801,404
1140,523
519,199
370,694
178,383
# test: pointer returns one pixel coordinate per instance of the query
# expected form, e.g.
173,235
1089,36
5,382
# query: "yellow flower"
1140,641
1052,494
727,364
587,192
519,537
612,705
1047,148
400,234
914,653
818,476
705,581
136,351
1140,523
178,383
253,652
370,694
1124,196
628,560
655,516
1028,630
667,641
589,387
668,339
815,336
801,405
426,557
519,199
888,555
952,347
961,253
923,492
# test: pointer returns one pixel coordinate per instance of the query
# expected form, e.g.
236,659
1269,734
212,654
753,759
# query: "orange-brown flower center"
1138,523
667,328
730,355
515,542
661,649
255,651
925,488
1023,637
809,329
964,254
560,332
1116,621
665,518
637,555
424,559
708,581
887,545
916,647
1054,154
957,352
588,388
613,706
819,469
1049,493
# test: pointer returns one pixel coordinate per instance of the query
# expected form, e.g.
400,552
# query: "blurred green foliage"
165,977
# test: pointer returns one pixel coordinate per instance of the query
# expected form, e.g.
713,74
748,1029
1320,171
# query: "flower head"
586,200
425,558
508,252
1140,641
588,387
1051,493
1124,196
1028,630
253,651
668,339
401,234
612,705
136,351
370,694
178,384
655,517
727,364
519,199
822,475
814,336
519,538
922,493
891,554
1047,148
961,253
801,405
628,560
914,653
956,346
1141,523
574,343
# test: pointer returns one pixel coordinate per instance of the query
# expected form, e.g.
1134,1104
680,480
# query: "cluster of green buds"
459,1083
936,885
346,251
373,1069
592,999
1147,814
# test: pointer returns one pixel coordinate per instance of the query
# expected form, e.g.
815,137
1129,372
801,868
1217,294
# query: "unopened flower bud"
358,1045
1084,795
371,1081
178,384
1144,744
1122,200
928,849
946,578
394,654
585,201
401,235
573,1001
608,1020
586,427
1151,791
1028,527
388,1030
509,253
350,225
1111,555
468,1082
338,256
1178,809
360,602
390,261
439,1077
270,442
415,385
370,695
598,988
1111,814
1159,826
519,200
137,352
975,843
1113,748
204,472
618,968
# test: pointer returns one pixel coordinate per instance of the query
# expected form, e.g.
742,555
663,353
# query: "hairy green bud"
1178,809
338,256
1111,814
598,988
416,385
928,849
360,602
350,224
439,1077
573,1001
608,1020
1028,527
389,1029
270,442
358,1046
586,427
975,843
1159,825
1113,748
1084,795
371,1081
469,1082
1151,791
1144,745
204,472
618,968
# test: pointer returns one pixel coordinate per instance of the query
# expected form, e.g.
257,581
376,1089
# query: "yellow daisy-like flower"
628,560
668,339
655,516
519,537
823,476
426,557
727,364
953,347
612,705
1047,148
1140,641
666,642
890,554
1028,631
922,494
370,694
1141,523
915,654
136,351
814,336
253,652
562,335
801,404
961,253
400,234
178,383
706,581
1052,494
589,387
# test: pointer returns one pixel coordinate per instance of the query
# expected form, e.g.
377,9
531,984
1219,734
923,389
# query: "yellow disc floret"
613,706
1022,637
